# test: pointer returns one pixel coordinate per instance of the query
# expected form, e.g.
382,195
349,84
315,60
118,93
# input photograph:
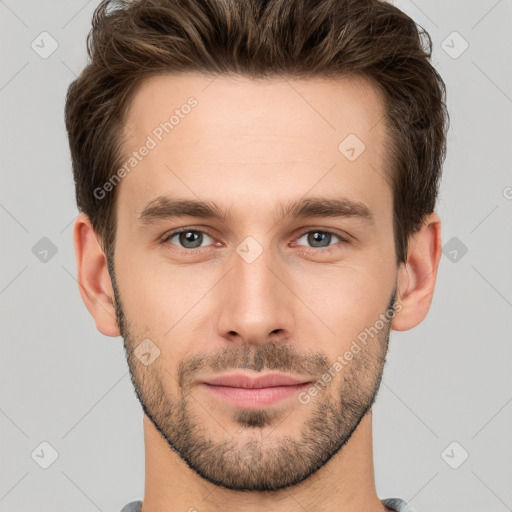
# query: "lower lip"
253,398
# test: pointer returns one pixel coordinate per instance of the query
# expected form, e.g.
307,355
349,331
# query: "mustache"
272,356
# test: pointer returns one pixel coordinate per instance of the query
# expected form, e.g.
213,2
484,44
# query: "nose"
256,302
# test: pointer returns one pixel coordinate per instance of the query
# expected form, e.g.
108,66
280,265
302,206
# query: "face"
289,267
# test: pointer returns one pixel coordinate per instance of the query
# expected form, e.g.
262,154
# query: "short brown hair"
134,40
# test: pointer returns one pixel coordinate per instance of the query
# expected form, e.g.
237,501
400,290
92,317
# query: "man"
257,183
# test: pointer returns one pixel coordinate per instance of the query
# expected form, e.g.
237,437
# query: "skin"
247,146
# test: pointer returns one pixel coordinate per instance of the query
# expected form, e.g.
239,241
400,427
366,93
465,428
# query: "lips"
263,381
247,392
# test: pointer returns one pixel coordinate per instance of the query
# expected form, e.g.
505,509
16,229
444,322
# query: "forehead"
230,137
321,105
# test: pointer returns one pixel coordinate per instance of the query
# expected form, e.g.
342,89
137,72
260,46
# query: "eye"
321,238
187,238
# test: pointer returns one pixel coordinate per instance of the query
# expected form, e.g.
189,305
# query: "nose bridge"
258,302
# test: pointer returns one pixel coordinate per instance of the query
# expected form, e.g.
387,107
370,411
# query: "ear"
93,277
417,277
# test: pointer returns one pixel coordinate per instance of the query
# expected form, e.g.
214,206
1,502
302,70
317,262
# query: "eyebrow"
166,207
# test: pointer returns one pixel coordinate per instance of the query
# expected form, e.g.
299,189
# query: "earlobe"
93,278
417,278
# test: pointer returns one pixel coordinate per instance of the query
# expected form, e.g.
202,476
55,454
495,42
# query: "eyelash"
325,250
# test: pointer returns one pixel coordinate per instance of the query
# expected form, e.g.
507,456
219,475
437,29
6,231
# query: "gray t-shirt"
393,503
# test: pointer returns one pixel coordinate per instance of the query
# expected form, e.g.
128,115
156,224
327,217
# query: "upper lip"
240,380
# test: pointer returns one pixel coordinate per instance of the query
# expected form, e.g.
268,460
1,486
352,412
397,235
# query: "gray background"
64,383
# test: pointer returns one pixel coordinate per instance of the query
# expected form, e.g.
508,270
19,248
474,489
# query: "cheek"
166,304
152,288
344,300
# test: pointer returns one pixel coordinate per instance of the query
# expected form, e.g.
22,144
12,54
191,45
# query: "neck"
345,483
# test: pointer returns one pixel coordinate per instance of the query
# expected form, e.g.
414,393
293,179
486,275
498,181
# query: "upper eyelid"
321,230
